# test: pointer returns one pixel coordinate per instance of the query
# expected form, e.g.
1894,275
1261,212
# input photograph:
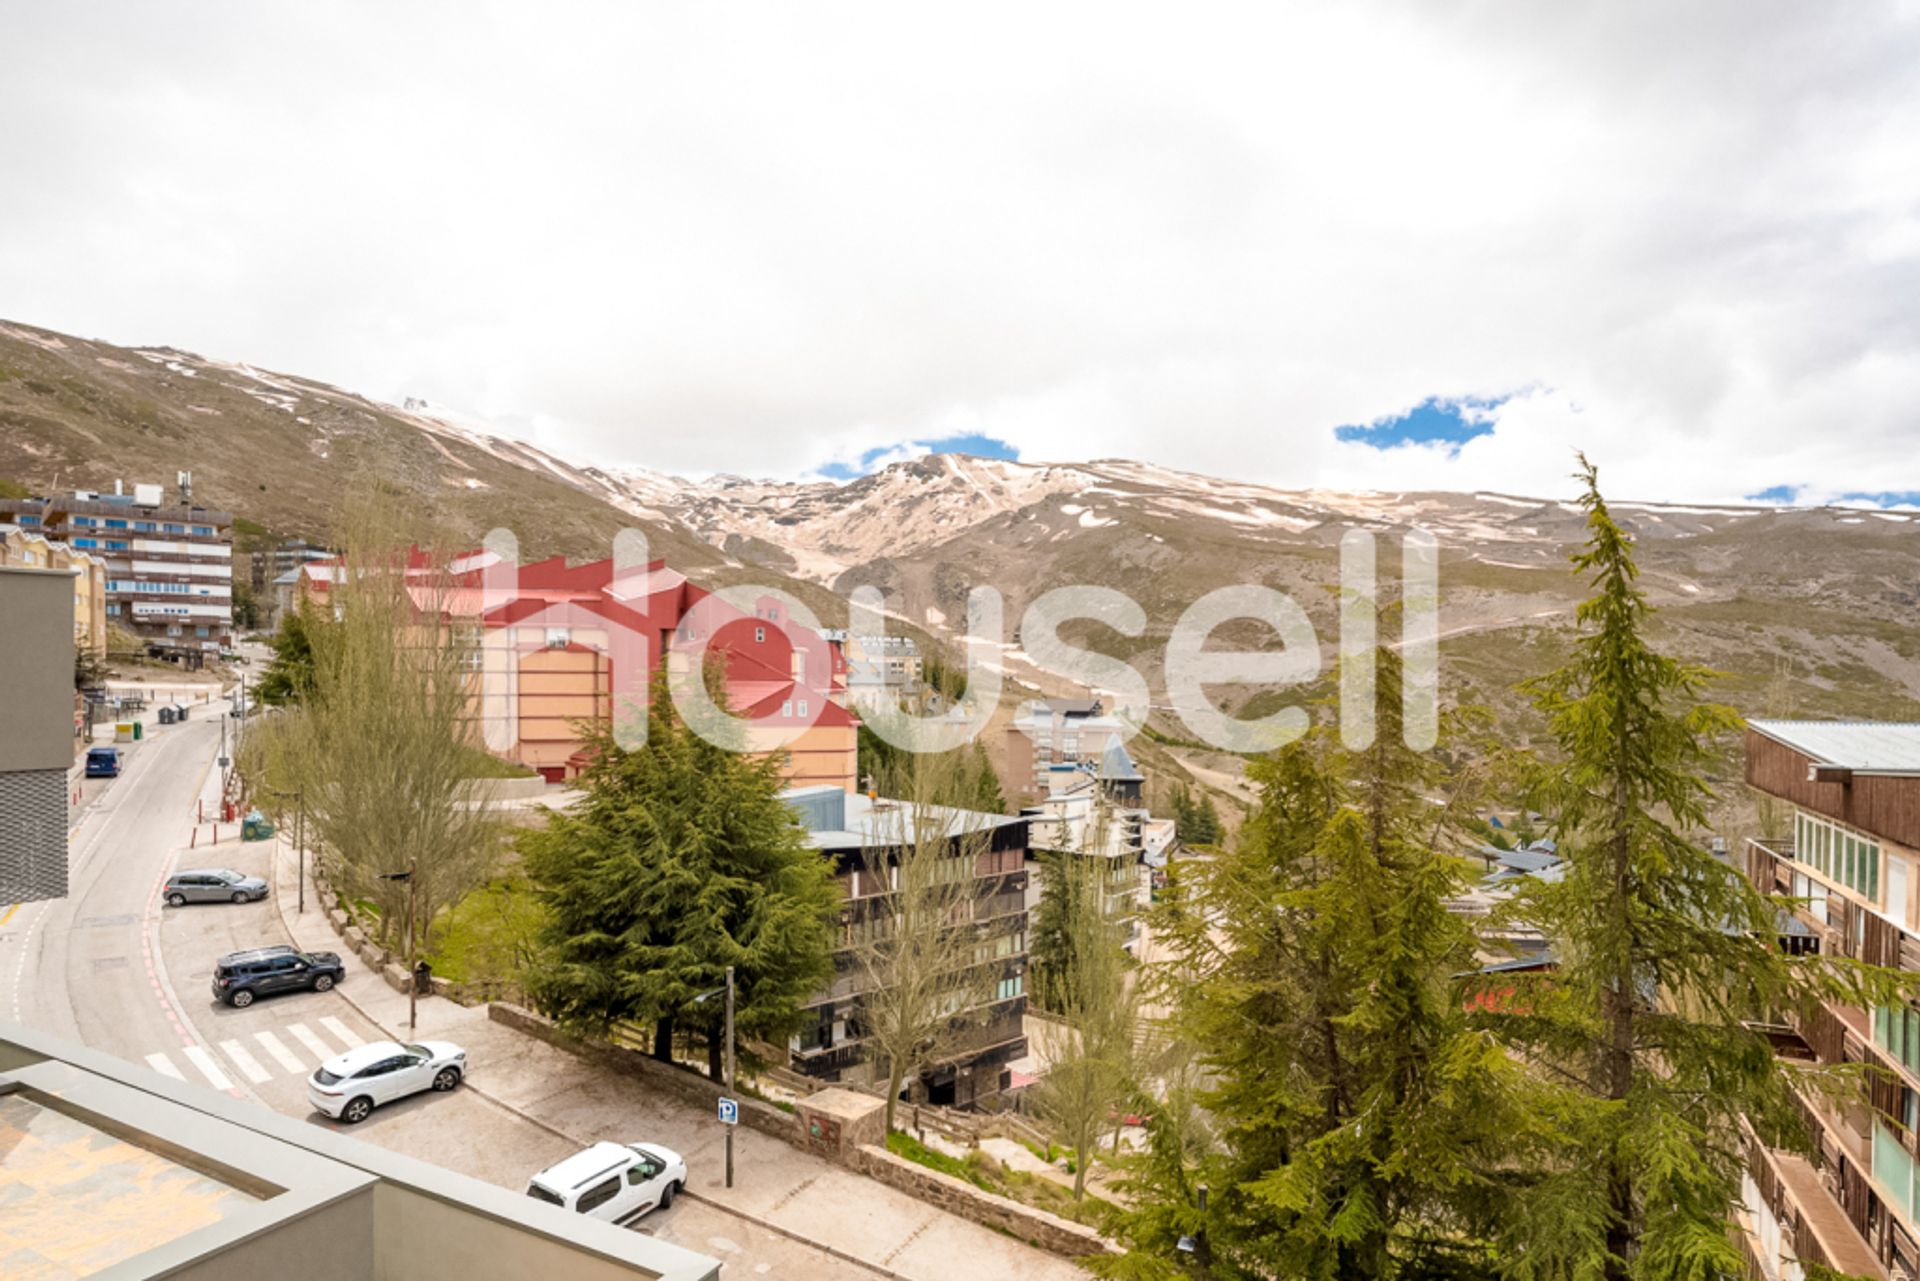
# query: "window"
25,519
597,1195
539,1193
1839,854
759,635
144,526
205,531
116,524
174,529
116,544
1892,1167
786,707
86,542
559,637
1010,988
85,522
803,709
1896,1029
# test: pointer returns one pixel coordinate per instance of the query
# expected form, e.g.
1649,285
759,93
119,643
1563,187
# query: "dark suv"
241,976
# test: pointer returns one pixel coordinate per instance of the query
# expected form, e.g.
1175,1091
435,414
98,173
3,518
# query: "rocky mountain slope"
1808,612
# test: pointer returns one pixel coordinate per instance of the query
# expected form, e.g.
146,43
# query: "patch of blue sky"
1437,420
971,443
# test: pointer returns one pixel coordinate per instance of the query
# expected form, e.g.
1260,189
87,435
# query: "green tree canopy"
680,859
1360,1119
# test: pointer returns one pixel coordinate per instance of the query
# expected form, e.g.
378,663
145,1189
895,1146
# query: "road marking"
346,1035
248,1065
315,1046
280,1053
9,915
208,1068
164,1066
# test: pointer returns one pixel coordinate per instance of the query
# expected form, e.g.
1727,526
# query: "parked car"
213,885
103,762
353,1085
612,1181
239,977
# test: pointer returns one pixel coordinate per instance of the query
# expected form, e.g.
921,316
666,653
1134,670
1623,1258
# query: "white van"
612,1181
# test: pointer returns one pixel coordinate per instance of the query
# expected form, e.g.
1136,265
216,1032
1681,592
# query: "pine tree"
1361,1119
680,860
1665,953
289,675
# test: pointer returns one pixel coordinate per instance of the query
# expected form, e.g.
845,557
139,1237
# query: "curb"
701,1198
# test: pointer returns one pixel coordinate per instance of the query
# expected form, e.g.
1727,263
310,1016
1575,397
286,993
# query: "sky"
1345,245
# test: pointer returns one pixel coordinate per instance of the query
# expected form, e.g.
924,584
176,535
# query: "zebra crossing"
259,1061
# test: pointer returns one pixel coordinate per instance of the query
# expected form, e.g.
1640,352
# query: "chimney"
117,491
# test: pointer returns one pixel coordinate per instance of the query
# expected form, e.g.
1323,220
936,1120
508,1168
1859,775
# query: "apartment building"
1848,797
36,751
1057,731
863,834
169,564
112,1170
1095,815
552,643
21,548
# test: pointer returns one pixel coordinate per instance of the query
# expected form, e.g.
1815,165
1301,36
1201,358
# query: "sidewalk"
776,1186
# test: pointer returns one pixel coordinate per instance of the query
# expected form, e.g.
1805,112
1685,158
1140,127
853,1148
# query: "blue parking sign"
729,1112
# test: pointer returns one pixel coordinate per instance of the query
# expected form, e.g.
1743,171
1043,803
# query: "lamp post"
702,1000
413,981
299,795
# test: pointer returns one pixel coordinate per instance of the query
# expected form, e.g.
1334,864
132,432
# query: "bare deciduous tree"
386,745
924,960
1096,997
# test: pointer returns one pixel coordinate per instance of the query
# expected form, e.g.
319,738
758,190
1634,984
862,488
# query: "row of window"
142,526
165,589
1838,854
112,544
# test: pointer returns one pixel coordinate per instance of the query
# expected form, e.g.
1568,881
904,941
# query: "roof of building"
1866,747
1118,767
836,819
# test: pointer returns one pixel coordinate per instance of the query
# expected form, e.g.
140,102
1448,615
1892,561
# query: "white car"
612,1181
357,1082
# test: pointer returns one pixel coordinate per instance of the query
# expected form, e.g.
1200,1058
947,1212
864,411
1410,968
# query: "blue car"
103,762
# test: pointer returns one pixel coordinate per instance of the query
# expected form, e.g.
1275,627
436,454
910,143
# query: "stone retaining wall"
1036,1227
755,1114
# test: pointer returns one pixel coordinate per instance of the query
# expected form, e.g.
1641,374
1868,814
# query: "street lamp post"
701,1000
299,795
413,980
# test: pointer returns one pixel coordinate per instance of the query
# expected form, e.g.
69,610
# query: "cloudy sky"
802,239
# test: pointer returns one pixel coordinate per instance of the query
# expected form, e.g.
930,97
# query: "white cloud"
762,239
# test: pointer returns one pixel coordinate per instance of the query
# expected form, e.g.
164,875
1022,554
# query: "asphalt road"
111,967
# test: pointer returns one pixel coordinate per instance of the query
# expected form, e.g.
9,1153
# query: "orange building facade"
557,648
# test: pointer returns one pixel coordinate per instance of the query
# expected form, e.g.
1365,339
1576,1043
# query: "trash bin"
139,731
423,979
166,716
179,711
255,827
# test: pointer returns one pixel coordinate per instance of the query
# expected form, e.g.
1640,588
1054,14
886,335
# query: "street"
112,967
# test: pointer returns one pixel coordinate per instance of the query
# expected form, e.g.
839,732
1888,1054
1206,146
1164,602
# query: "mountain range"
1806,611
